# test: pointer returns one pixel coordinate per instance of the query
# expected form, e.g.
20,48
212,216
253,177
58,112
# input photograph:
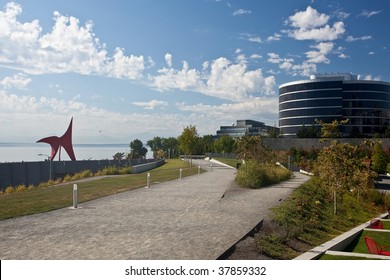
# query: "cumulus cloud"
312,25
288,64
320,55
68,47
220,78
308,19
151,105
19,81
168,59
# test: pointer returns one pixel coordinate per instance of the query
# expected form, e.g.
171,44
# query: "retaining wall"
284,144
147,166
16,173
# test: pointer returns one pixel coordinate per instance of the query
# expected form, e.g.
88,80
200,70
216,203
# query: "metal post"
148,180
75,196
181,173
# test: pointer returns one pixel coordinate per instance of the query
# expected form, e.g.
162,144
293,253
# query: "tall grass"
255,175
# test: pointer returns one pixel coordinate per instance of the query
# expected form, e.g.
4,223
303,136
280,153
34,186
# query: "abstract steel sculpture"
58,142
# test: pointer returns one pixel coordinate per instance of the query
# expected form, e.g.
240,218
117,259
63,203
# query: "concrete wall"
147,166
307,143
16,173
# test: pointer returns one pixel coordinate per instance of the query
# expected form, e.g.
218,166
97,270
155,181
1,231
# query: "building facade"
246,127
328,97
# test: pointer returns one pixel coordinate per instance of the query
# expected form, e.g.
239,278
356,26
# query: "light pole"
49,159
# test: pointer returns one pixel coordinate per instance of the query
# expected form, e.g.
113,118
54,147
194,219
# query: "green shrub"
256,175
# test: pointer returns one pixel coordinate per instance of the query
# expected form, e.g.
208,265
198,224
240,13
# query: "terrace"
351,245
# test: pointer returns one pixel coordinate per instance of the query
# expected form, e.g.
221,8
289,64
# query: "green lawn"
359,245
40,200
229,161
334,258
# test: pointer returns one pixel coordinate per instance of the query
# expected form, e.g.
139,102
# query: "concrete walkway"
198,217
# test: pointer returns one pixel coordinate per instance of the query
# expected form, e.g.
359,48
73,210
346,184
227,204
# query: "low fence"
27,173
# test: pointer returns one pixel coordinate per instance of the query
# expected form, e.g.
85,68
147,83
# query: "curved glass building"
329,97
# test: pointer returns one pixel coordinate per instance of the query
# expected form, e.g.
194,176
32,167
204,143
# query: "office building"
328,97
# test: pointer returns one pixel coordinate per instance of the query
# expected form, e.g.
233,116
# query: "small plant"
21,188
9,190
31,187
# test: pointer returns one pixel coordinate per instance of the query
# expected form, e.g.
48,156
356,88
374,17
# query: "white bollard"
148,181
75,196
198,169
211,166
181,173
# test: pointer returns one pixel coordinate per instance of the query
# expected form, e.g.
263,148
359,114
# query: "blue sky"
144,68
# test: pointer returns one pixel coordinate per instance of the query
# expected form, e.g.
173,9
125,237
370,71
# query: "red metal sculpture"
58,142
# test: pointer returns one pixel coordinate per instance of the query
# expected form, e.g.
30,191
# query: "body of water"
18,152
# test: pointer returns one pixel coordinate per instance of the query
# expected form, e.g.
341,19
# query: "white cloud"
370,77
353,39
68,47
287,64
275,37
151,105
311,25
371,53
19,81
251,38
168,59
320,55
308,19
369,14
343,56
241,12
255,56
220,78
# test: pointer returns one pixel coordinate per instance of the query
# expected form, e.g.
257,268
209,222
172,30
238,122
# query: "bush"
9,190
21,188
257,175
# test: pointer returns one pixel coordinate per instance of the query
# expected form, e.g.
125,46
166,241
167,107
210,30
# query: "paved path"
198,217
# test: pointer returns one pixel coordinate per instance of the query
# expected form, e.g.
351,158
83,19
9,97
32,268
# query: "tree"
137,149
188,141
206,144
224,144
331,130
343,168
252,148
171,147
155,145
118,156
308,132
379,159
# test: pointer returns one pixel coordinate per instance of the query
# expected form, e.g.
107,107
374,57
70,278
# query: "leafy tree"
343,168
331,130
224,144
137,149
155,145
379,159
206,144
170,147
188,141
308,132
118,156
252,148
